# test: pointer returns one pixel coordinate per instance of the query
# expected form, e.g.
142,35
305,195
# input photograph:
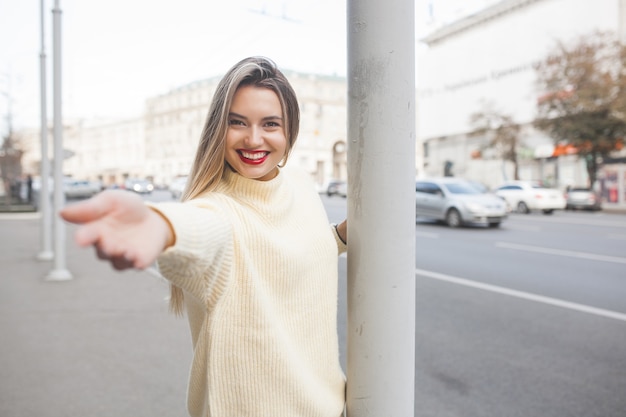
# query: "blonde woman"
249,254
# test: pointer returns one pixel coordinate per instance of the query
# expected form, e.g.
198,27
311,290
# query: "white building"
487,59
162,143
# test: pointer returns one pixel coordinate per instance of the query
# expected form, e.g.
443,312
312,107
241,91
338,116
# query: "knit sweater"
257,262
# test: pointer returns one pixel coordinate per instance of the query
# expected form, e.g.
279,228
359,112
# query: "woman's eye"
272,124
235,122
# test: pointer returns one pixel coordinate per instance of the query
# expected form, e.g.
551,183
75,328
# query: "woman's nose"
254,137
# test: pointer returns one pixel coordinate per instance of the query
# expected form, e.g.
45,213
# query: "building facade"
161,144
486,60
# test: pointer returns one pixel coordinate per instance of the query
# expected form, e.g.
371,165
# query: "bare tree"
10,166
582,98
501,131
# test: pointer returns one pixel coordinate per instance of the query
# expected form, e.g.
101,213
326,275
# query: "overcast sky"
116,53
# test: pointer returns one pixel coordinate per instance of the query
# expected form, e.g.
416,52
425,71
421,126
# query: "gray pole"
59,273
381,208
46,253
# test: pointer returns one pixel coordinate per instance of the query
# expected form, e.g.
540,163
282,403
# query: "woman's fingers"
89,210
123,230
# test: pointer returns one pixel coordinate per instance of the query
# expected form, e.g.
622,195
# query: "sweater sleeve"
200,260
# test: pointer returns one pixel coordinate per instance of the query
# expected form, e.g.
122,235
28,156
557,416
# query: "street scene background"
527,319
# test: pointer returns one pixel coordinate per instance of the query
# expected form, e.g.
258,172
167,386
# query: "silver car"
582,198
457,202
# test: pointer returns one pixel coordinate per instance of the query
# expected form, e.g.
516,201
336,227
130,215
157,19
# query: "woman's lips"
253,157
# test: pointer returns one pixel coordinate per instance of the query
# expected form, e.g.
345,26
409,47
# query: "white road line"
603,221
523,295
561,252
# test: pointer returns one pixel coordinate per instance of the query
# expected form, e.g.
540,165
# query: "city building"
486,59
160,145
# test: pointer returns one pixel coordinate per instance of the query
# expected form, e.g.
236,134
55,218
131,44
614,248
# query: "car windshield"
461,188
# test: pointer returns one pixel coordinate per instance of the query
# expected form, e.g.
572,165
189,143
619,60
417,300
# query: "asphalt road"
525,320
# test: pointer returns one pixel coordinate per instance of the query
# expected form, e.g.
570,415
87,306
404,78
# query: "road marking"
523,295
561,252
597,221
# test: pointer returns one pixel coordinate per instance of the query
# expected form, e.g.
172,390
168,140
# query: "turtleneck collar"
247,189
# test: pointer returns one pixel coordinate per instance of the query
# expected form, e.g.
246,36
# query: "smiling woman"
249,254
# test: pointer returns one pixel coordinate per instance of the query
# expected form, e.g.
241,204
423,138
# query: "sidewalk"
100,344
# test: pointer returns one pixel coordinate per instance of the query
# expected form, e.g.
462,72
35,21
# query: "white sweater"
257,261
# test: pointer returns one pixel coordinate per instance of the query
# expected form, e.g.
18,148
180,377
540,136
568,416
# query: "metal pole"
381,208
59,273
46,253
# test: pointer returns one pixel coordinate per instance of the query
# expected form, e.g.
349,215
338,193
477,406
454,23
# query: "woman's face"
255,140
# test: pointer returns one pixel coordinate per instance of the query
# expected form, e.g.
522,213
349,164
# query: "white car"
139,185
525,196
76,189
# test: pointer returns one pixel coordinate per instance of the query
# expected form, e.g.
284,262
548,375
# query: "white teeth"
253,156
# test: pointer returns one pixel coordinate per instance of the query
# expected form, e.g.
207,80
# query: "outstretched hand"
121,227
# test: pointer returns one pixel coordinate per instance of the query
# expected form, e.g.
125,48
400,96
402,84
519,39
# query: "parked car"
457,202
337,187
525,196
582,198
177,187
72,188
75,189
138,185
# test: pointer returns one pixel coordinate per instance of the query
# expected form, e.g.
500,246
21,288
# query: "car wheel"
548,211
453,218
522,208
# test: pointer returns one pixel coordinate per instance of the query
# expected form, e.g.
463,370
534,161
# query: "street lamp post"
381,208
59,272
46,253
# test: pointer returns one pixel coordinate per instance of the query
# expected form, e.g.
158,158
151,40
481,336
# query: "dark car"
582,198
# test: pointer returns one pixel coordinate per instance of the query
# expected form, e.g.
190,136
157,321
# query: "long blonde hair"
209,163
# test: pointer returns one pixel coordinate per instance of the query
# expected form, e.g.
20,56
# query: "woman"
249,255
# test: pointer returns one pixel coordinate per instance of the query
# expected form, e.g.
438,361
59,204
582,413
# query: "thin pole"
59,273
381,208
46,253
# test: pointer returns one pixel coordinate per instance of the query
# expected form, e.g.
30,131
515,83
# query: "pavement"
99,344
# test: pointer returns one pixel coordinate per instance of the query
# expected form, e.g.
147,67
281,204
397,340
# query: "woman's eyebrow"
241,116
233,114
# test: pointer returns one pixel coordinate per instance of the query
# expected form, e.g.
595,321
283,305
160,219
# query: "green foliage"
582,98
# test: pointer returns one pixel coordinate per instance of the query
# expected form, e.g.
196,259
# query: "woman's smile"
252,157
